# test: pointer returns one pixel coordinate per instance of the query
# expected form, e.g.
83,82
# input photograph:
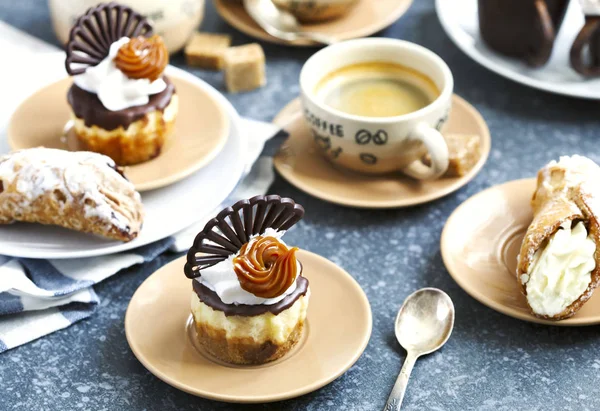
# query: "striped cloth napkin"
38,297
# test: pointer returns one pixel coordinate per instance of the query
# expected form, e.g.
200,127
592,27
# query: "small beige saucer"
160,333
201,131
298,163
366,18
480,244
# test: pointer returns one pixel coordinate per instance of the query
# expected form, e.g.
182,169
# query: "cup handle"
438,152
544,23
591,26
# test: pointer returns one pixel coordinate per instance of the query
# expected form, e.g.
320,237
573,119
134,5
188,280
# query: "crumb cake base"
254,339
141,141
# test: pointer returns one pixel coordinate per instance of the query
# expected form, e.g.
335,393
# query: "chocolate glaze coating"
88,107
210,298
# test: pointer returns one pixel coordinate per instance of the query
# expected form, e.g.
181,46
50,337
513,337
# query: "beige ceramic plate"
201,130
480,244
311,173
366,18
337,332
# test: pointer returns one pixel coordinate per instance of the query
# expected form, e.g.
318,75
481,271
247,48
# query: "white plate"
168,210
459,20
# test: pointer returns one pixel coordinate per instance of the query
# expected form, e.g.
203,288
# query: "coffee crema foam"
376,89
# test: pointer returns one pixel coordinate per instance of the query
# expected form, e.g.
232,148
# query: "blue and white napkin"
38,297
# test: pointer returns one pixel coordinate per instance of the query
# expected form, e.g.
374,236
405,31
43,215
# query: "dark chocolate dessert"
123,105
525,29
249,298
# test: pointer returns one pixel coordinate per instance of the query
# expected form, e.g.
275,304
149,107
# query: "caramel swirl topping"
143,57
265,267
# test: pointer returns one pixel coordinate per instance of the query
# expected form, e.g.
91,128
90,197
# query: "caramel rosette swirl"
143,57
265,267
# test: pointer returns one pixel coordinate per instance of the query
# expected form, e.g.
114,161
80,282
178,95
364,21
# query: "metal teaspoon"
424,323
281,24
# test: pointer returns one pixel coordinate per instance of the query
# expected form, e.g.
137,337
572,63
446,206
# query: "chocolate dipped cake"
123,106
249,298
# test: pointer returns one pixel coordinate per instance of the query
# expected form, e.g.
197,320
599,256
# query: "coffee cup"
376,105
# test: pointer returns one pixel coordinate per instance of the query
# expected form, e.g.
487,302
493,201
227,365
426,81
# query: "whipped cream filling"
561,271
221,279
115,90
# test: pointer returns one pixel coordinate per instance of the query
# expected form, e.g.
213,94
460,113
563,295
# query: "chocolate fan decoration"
225,234
94,32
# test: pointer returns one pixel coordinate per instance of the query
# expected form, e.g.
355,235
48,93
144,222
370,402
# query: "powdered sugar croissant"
81,191
559,262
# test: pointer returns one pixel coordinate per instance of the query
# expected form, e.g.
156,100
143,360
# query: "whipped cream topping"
114,89
77,175
577,170
221,279
561,271
590,7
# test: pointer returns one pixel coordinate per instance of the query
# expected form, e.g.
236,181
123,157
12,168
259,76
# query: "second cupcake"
122,104
249,298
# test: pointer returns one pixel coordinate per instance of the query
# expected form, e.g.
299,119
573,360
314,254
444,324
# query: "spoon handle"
319,38
394,401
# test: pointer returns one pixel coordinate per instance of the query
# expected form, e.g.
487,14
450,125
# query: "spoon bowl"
280,23
316,11
425,321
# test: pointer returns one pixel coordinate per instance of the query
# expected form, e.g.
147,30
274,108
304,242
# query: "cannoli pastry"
122,104
559,263
81,191
249,297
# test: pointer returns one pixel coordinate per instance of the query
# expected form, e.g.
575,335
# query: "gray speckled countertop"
491,362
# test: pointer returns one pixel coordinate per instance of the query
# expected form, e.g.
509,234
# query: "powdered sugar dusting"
76,175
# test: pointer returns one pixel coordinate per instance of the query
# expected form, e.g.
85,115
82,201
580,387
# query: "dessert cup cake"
123,106
249,298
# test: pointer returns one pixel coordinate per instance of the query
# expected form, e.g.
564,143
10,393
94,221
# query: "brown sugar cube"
463,152
244,68
205,50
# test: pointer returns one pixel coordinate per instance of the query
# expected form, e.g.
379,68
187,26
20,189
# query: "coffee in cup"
376,106
376,89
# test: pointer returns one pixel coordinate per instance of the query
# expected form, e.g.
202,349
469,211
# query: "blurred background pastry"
81,191
314,11
122,104
174,20
249,298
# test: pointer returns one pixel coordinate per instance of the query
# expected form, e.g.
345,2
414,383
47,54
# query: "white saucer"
168,209
459,20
